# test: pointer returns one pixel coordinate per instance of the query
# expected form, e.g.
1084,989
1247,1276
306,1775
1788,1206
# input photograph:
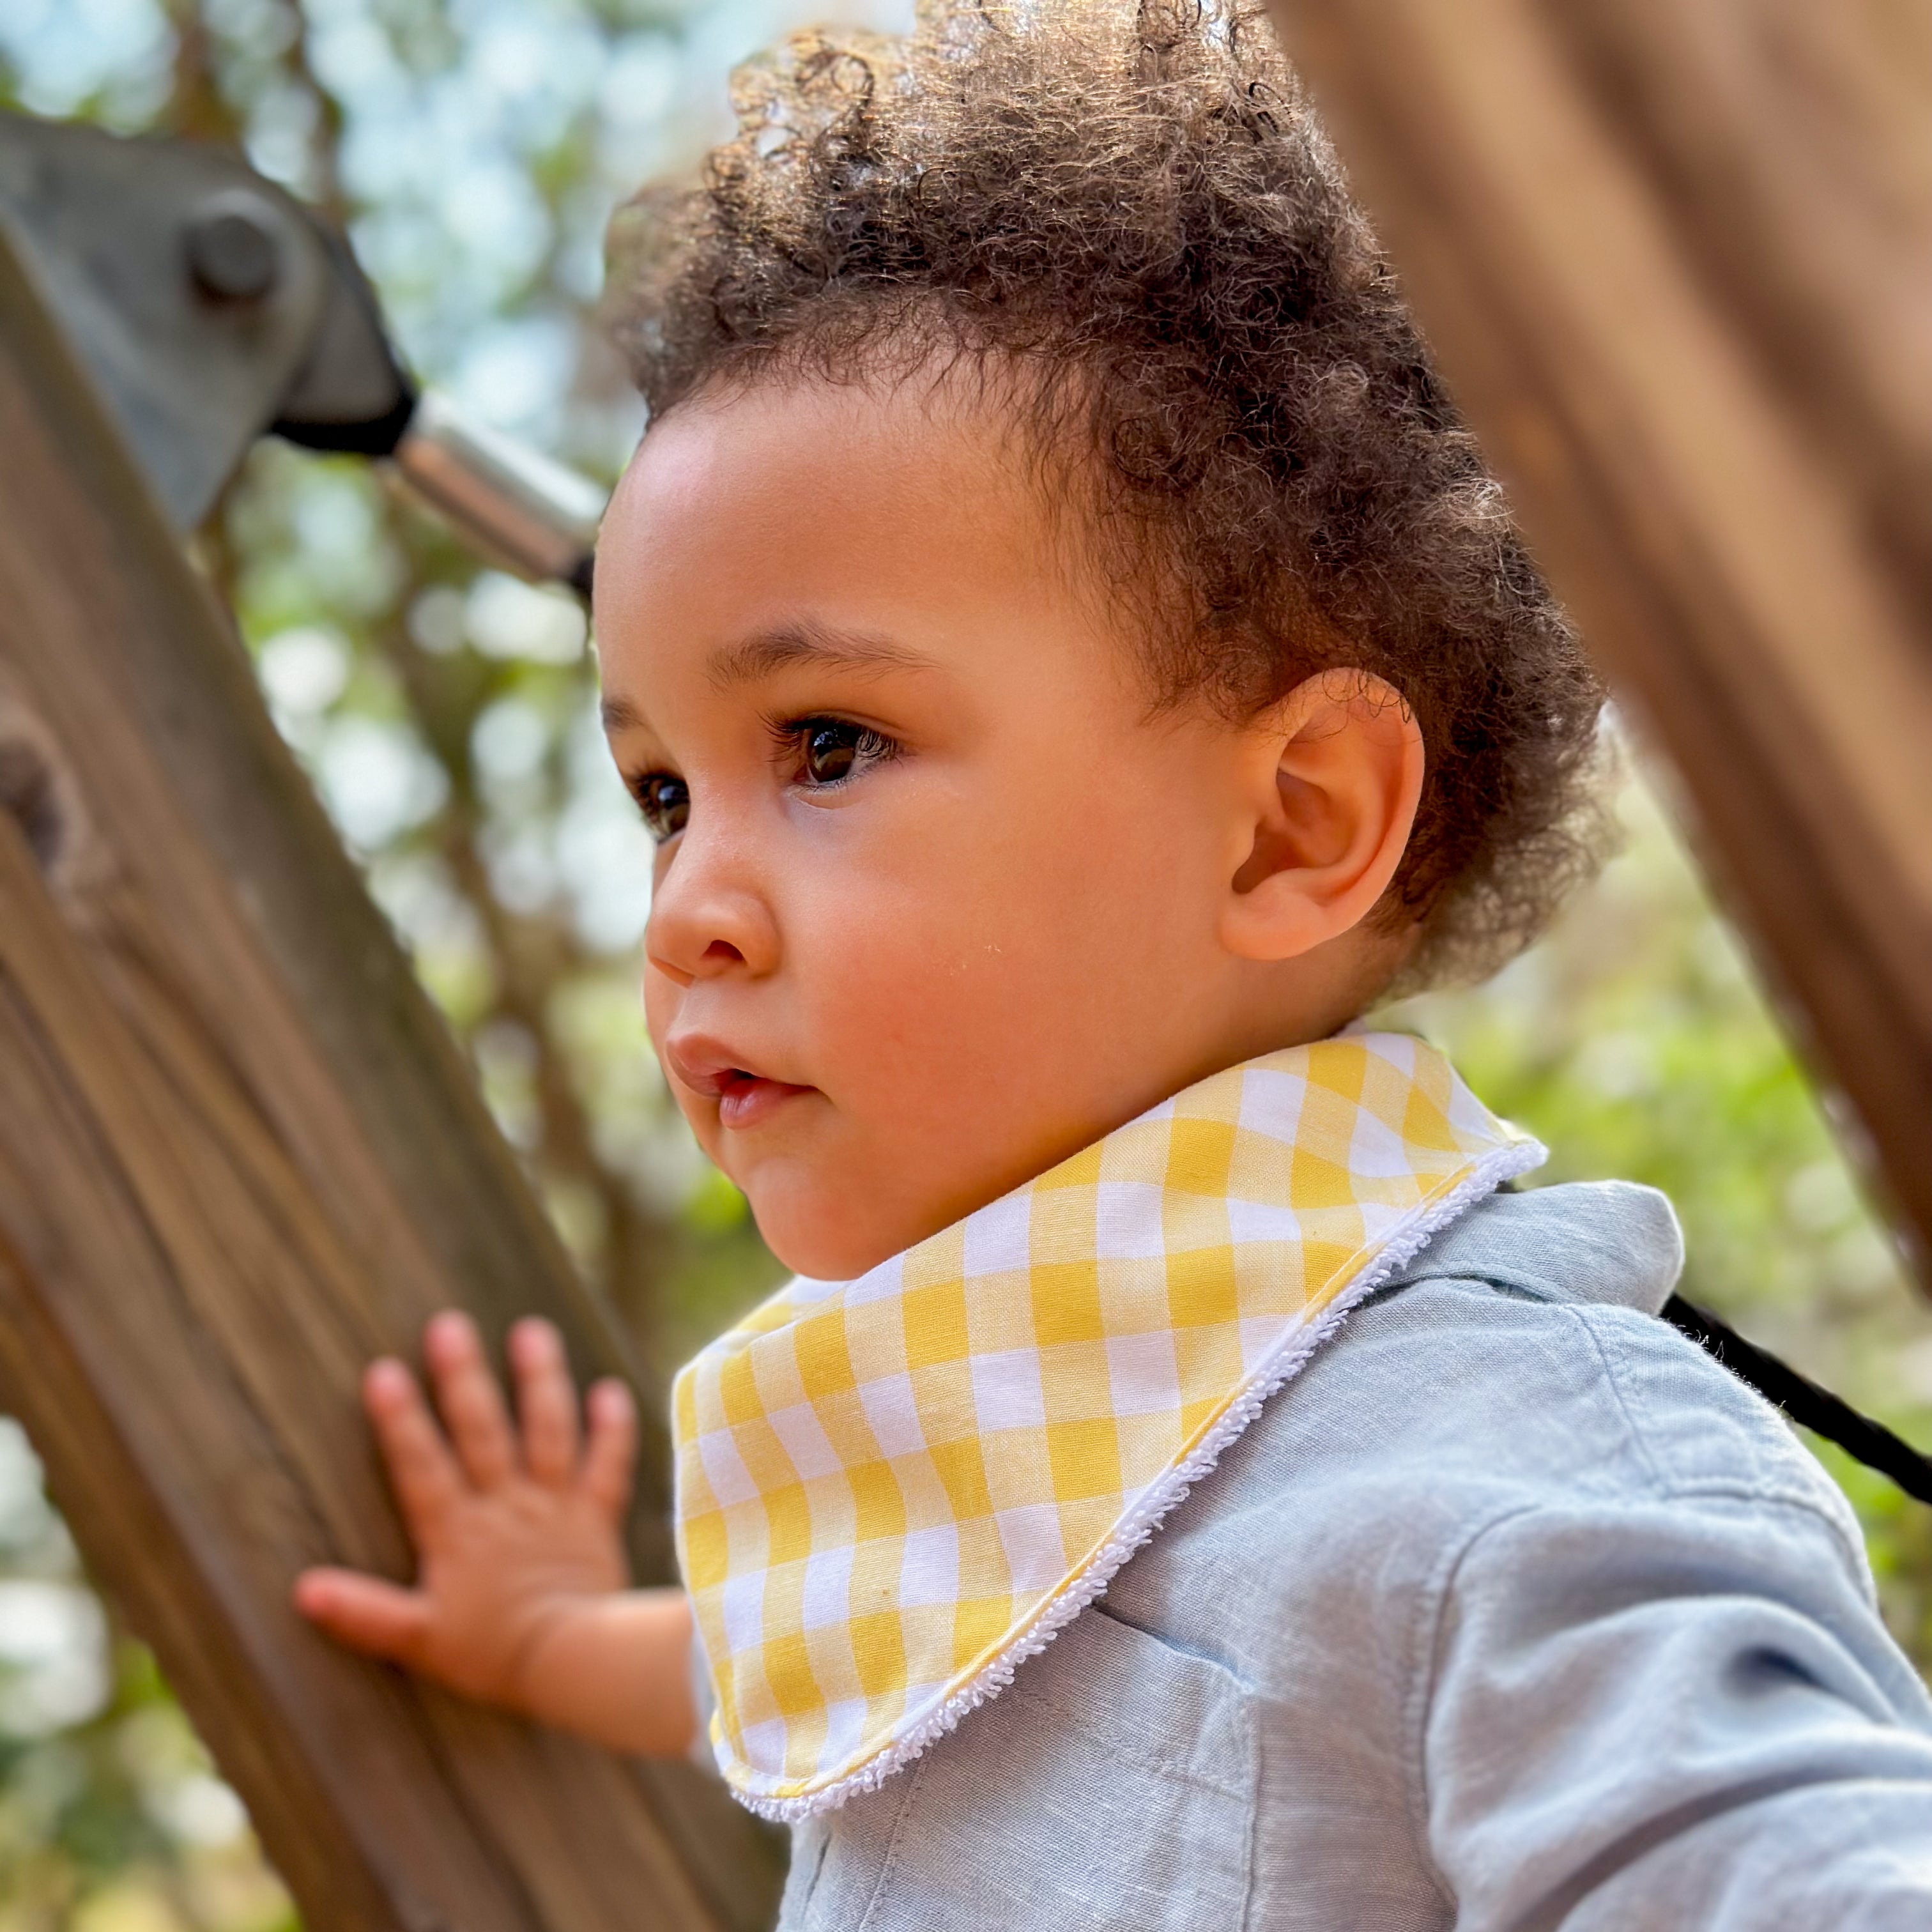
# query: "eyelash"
649,789
665,801
867,746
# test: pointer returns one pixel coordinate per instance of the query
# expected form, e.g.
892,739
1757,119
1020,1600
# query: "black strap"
1871,1443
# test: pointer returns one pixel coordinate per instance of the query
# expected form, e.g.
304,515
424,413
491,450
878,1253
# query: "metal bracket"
210,307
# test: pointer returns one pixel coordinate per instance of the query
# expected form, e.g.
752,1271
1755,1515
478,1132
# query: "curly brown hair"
1130,214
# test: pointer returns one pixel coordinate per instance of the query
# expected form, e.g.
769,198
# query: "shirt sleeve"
1680,1711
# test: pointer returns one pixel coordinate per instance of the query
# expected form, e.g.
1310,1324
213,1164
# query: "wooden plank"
239,1155
1676,259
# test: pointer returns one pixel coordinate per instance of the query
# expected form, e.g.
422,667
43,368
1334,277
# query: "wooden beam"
239,1155
1676,259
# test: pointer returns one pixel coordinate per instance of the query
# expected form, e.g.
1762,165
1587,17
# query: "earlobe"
1335,776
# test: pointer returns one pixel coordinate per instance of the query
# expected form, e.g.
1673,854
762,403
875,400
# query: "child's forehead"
916,490
847,541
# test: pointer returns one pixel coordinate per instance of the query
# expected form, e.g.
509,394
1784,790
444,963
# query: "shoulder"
1520,1360
1514,1367
1514,1570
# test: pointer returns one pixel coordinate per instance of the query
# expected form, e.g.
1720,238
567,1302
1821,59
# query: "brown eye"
830,750
665,802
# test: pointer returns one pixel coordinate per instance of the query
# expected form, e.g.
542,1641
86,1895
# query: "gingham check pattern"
889,1489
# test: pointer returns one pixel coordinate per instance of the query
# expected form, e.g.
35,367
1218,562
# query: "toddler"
1073,663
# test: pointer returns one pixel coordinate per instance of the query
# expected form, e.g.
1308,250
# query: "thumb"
378,1619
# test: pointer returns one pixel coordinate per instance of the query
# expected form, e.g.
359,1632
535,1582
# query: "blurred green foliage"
474,148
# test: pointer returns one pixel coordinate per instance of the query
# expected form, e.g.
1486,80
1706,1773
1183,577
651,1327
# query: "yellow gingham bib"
891,1490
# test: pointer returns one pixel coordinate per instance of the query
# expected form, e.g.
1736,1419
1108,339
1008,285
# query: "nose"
708,918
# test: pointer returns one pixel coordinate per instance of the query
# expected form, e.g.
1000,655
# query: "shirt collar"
1583,1241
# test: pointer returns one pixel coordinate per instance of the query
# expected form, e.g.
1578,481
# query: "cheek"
1007,954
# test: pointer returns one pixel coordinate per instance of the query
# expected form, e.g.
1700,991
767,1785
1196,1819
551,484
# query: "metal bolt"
231,248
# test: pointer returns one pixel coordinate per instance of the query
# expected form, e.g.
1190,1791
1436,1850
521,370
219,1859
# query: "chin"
825,1257
821,1246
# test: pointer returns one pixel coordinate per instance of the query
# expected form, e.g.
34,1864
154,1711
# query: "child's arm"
520,1598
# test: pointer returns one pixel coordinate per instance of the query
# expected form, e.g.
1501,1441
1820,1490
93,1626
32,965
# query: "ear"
1333,774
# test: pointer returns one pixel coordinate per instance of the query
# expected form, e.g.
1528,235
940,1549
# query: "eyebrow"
790,646
784,648
619,714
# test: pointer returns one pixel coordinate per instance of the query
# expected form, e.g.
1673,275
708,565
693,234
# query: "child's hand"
516,1531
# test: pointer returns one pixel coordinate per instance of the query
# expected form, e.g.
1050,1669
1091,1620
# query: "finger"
422,1472
471,1403
378,1619
546,1402
613,1448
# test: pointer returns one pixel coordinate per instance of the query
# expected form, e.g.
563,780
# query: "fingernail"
447,1328
384,1375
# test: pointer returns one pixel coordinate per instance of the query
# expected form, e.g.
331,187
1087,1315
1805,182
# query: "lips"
745,1096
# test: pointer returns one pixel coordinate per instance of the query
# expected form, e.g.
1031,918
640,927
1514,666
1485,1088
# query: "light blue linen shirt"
1514,1611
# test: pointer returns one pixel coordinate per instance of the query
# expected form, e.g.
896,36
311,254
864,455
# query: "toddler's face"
937,902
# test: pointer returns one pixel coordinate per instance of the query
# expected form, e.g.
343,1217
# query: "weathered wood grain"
238,1155
1676,259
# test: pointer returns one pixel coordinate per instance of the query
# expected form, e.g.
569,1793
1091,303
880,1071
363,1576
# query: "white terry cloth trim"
1137,1525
